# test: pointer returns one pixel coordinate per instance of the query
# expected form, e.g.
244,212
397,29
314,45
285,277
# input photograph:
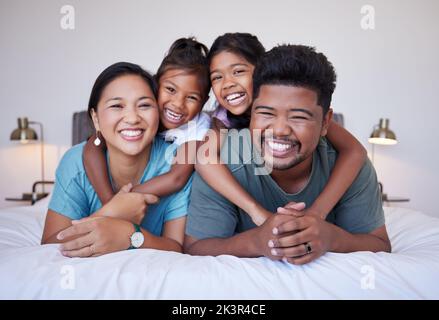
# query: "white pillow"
43,203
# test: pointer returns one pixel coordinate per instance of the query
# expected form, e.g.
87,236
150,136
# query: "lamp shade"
23,133
382,134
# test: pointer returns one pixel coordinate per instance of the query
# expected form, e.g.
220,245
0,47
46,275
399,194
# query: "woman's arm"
172,239
350,160
178,175
219,177
127,206
54,224
98,235
95,166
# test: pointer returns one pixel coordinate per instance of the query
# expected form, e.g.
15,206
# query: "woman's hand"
126,205
98,236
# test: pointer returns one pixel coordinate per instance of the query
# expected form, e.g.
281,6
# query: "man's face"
291,124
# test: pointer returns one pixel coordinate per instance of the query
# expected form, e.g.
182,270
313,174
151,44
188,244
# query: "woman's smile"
132,134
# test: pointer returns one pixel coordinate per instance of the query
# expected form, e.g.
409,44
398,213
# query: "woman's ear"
326,121
94,117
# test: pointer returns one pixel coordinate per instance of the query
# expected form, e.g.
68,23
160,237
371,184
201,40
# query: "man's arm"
376,241
240,245
248,244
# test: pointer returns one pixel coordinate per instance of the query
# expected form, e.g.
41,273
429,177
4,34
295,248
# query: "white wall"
46,73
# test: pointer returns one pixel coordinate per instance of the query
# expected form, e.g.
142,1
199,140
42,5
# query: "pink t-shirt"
221,114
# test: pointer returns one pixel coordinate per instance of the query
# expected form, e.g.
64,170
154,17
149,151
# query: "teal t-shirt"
213,216
74,197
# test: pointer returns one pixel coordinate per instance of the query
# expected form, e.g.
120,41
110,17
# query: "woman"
124,111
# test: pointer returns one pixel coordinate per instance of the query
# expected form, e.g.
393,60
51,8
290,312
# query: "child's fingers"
290,211
151,198
126,188
295,205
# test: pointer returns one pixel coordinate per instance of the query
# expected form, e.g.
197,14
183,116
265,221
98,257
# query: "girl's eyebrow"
172,83
239,64
231,66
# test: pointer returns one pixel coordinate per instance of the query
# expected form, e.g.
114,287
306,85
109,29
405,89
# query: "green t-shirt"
212,216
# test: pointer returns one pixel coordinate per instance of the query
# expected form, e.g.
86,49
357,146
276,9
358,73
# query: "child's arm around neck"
95,165
350,160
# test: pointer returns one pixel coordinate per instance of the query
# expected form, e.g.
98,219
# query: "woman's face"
232,81
127,115
180,97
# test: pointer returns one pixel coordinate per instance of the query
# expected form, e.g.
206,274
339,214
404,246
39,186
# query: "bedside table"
34,196
28,197
387,198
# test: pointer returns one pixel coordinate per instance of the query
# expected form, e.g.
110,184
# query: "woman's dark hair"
114,71
246,46
190,55
299,66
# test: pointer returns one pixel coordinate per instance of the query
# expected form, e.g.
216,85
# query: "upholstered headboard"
338,117
82,127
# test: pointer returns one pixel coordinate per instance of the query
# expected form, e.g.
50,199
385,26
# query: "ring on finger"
308,248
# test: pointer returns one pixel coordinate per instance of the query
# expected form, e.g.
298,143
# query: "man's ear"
94,117
326,121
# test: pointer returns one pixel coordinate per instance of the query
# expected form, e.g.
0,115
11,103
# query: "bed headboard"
338,117
82,127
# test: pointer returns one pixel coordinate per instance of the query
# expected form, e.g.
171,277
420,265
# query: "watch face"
137,239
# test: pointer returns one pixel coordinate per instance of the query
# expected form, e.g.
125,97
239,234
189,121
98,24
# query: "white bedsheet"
31,271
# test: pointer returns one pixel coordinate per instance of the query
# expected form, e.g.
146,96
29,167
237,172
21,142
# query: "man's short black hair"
299,66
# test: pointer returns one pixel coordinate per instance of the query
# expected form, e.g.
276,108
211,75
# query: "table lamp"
382,135
24,134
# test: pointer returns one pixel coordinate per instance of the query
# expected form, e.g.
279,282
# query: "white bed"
31,271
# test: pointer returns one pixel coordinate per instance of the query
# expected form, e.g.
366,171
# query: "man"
293,87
